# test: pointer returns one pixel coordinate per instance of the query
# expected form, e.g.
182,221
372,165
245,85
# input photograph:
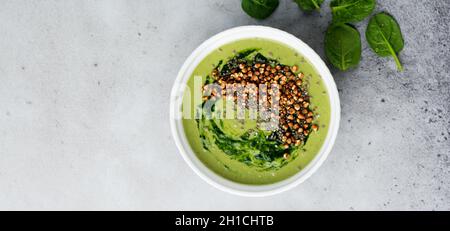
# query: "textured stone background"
84,102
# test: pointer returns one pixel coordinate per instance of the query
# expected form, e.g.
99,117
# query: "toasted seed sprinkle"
295,116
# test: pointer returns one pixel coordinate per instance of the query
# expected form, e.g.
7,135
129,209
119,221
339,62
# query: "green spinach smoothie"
241,149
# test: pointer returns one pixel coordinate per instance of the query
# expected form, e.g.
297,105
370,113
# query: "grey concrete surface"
84,103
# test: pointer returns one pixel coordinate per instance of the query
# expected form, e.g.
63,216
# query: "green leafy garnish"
254,148
345,11
259,9
343,46
385,37
309,5
242,140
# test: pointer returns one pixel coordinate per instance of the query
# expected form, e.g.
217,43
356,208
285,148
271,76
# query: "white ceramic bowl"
188,67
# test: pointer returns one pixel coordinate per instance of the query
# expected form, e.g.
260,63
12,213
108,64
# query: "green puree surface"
235,170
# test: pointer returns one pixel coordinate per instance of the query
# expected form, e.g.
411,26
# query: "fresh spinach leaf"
385,37
351,10
244,53
259,9
309,5
343,46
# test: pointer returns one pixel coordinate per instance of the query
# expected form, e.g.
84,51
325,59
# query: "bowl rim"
177,129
